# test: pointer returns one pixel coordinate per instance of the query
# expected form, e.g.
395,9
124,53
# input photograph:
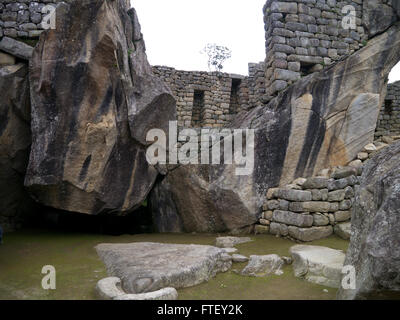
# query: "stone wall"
309,209
206,99
304,36
389,118
22,18
315,208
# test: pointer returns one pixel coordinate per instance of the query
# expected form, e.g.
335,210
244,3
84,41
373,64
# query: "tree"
217,55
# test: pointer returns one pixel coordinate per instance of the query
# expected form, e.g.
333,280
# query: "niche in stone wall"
234,106
388,107
198,107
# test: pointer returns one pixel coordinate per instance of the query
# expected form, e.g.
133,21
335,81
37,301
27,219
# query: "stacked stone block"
304,36
309,209
256,84
23,18
389,118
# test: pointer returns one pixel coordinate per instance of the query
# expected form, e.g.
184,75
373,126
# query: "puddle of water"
24,253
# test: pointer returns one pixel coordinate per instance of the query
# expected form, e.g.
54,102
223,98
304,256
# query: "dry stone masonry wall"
303,36
389,118
23,18
210,99
309,209
315,208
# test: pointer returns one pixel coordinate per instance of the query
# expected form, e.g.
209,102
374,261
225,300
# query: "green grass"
78,267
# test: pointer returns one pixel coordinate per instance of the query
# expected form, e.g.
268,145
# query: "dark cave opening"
137,222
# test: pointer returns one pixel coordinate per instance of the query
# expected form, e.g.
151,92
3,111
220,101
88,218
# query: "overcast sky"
175,31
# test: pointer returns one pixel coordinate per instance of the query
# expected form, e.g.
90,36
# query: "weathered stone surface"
316,183
293,195
6,59
312,206
341,216
344,172
16,48
147,267
230,250
109,288
279,229
239,258
230,242
310,234
15,141
320,220
293,219
319,265
163,294
343,230
94,98
377,17
374,248
337,195
260,266
340,107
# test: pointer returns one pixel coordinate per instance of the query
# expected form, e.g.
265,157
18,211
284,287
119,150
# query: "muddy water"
24,253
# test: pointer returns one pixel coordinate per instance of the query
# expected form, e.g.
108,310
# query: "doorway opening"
198,107
234,106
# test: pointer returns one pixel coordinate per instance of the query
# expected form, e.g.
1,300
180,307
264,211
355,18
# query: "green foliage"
217,55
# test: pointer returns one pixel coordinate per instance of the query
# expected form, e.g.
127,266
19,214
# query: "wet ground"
78,267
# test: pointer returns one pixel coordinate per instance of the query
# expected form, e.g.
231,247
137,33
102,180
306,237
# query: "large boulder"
318,265
15,141
378,16
321,121
94,98
146,267
374,250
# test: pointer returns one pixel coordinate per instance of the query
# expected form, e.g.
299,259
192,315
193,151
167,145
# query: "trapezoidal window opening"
198,108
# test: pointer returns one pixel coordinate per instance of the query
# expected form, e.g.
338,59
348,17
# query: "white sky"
175,31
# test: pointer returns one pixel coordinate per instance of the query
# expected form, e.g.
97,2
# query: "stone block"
293,219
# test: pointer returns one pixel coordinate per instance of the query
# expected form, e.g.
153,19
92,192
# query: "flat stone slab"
146,267
239,258
260,266
110,289
343,230
230,242
16,48
318,265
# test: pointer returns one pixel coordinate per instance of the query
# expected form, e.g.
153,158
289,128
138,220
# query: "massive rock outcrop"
374,249
94,98
378,15
15,141
323,120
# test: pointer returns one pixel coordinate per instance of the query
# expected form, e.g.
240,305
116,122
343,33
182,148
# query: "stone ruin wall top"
305,36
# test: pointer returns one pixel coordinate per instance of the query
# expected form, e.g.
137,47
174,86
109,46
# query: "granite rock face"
378,16
323,120
94,98
147,267
15,141
374,248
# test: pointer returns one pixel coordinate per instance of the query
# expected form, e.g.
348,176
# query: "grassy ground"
24,253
